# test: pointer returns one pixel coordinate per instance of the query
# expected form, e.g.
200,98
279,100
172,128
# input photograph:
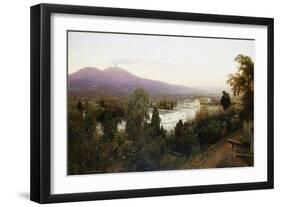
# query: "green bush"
210,133
149,157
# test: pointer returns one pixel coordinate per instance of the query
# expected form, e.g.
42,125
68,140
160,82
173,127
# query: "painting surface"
140,102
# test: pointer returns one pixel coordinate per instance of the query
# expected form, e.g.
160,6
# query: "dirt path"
218,155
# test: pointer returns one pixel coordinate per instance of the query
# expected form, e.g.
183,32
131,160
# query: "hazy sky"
195,62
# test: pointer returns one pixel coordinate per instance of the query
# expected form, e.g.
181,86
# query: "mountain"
115,79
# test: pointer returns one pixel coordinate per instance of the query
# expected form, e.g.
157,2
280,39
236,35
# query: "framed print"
133,103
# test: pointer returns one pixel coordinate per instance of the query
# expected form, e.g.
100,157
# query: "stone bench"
234,145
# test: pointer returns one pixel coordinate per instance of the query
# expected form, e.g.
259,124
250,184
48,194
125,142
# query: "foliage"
148,157
111,112
225,100
109,126
185,138
242,83
201,115
166,104
118,149
79,106
113,105
75,120
163,132
155,122
137,113
82,139
96,146
210,133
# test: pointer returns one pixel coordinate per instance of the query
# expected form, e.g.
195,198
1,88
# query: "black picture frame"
41,95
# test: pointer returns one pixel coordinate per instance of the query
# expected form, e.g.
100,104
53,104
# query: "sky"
188,61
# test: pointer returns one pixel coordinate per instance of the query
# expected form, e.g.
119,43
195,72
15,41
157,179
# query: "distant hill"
115,79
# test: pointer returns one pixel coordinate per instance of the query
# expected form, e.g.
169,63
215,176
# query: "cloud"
124,61
139,61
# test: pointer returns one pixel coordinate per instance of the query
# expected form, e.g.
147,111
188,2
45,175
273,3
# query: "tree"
82,140
89,136
137,113
210,133
155,122
75,121
109,126
163,132
183,139
79,106
110,113
172,105
242,83
225,100
179,129
102,104
149,157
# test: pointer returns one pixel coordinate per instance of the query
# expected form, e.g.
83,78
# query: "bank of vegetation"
95,145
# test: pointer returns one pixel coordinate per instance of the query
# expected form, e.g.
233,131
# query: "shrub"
183,145
210,133
149,157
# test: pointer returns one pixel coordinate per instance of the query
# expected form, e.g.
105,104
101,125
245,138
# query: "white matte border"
61,183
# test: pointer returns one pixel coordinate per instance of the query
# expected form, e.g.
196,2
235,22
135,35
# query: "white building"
204,100
121,126
188,103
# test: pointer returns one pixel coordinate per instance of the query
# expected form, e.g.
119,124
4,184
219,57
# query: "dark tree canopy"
242,84
225,100
109,126
137,113
155,121
179,129
79,106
